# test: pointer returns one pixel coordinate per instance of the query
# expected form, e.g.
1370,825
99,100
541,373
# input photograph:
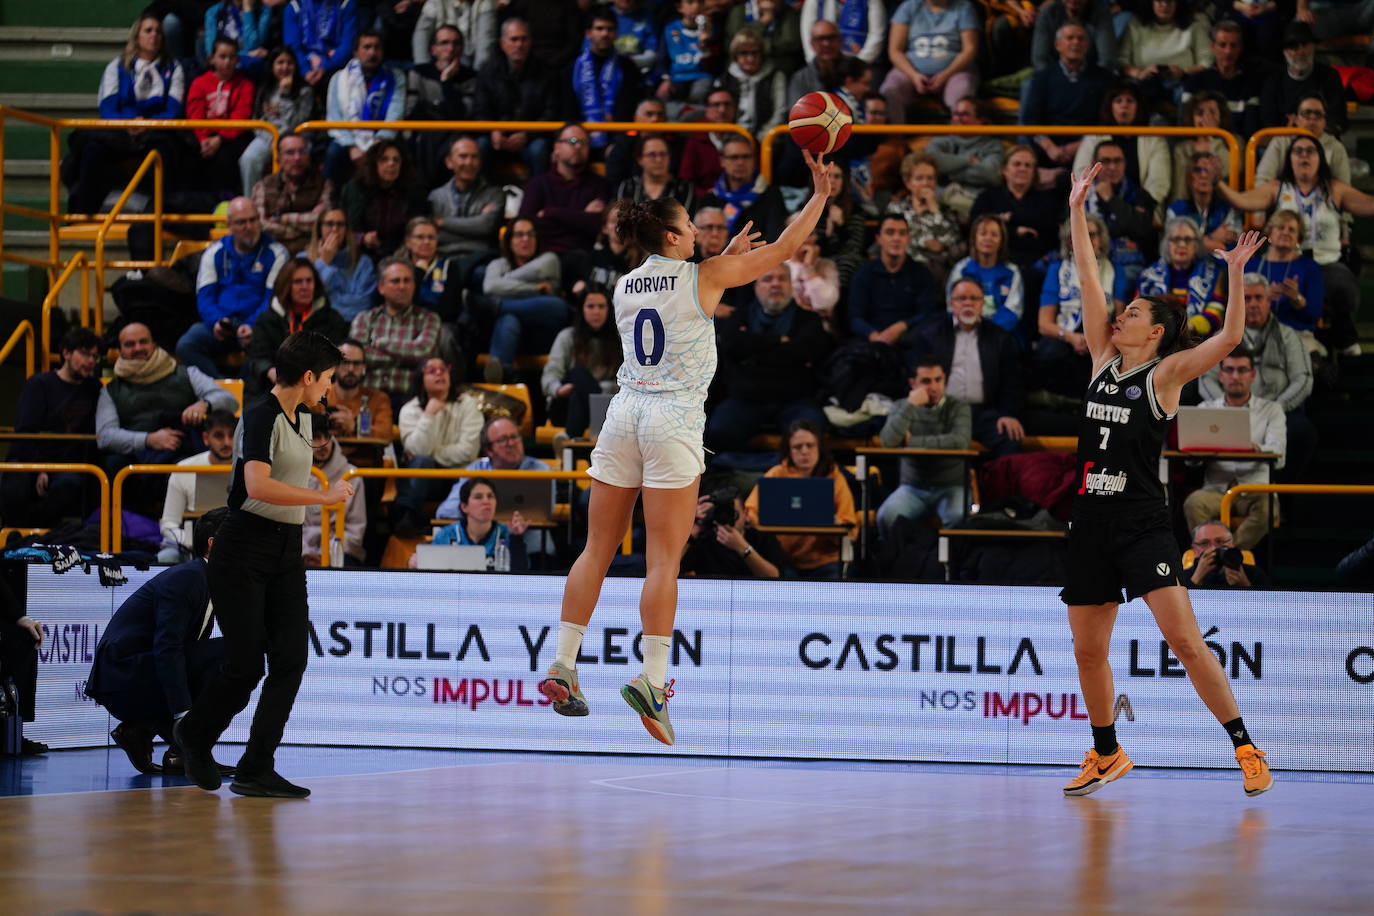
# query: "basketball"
820,122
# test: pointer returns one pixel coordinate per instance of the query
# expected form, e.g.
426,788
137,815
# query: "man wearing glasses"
567,201
346,402
1268,432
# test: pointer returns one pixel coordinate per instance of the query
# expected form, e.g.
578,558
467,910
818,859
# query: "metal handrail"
41,467
125,472
975,130
689,127
25,330
1326,489
153,159
448,474
50,302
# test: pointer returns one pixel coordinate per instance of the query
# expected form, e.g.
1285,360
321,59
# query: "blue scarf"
597,85
779,325
229,21
736,202
321,14
853,25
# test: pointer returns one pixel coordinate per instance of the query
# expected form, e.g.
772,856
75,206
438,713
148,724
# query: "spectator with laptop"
806,453
723,545
503,449
329,458
197,493
928,418
583,361
1268,433
478,525
440,428
1283,373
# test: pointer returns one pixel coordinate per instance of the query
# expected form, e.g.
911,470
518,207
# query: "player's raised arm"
1096,316
728,270
1182,367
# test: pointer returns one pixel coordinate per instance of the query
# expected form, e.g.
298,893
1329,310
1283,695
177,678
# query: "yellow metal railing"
116,508
23,331
1318,489
50,302
1015,130
449,474
55,467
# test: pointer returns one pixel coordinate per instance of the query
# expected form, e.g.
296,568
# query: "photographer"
1217,562
722,547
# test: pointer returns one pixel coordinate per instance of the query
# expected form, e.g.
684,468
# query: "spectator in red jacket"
221,92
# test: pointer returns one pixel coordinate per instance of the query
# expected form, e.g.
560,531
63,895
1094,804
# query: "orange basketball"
820,122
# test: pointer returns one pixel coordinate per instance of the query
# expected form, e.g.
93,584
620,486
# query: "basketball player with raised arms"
1121,536
650,442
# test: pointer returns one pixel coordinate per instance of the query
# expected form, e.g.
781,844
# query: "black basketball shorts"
1134,550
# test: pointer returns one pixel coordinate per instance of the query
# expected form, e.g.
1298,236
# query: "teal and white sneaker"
652,705
560,686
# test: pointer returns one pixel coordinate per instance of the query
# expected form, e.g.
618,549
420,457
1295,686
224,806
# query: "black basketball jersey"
1119,440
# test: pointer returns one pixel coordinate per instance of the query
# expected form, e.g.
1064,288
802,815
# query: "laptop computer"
212,491
533,498
597,414
796,502
1224,429
464,557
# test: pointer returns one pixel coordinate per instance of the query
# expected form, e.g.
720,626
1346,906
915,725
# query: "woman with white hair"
1183,272
1061,362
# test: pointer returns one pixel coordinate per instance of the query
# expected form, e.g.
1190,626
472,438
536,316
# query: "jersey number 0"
652,355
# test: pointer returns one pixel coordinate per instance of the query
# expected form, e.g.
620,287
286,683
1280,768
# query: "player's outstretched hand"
1244,250
1082,183
747,238
820,173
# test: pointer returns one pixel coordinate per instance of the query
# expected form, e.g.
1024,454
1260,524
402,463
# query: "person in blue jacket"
143,82
234,285
321,32
245,21
987,262
478,526
155,653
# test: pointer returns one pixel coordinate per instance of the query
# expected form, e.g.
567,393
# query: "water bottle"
501,556
364,420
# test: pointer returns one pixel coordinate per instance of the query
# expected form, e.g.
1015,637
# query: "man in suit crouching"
156,652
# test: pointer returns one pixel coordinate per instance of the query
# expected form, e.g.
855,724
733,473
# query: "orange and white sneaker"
1098,770
1258,779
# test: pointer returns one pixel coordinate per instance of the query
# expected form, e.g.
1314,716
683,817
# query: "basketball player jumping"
651,438
1121,534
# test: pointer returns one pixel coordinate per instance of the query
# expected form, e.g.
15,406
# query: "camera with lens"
722,511
227,325
1231,557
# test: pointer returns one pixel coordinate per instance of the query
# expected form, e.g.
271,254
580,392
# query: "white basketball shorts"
651,440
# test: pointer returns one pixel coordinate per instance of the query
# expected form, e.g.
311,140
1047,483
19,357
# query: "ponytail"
643,223
1172,315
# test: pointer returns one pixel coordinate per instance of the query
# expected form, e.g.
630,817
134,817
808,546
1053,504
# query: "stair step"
25,168
72,13
73,76
28,141
55,104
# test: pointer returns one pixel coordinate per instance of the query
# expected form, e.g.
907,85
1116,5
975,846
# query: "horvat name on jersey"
636,285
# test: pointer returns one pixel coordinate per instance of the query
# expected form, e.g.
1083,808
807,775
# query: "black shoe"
200,766
137,745
172,764
32,748
267,785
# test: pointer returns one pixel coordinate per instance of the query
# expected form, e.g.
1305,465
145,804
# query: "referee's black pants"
257,585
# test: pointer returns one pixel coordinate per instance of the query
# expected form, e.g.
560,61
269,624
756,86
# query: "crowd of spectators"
934,305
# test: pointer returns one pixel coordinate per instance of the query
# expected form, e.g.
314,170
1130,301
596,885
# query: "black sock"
1235,729
1104,739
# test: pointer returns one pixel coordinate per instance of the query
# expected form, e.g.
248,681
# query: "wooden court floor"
546,834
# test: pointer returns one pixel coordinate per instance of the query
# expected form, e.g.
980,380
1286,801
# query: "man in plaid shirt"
291,199
397,335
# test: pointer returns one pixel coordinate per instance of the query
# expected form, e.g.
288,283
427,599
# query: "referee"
257,579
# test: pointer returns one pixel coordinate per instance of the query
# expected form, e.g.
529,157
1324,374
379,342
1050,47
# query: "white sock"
656,658
569,642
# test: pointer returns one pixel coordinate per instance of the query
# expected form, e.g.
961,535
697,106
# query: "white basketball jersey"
669,344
